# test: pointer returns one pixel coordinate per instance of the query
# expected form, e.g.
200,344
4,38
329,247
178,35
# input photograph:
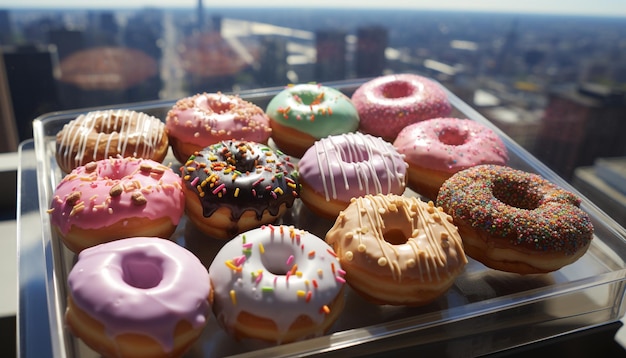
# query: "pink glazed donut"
389,103
437,148
204,119
116,198
138,297
341,167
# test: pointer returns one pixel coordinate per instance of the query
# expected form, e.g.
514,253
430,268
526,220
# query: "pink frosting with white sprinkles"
450,145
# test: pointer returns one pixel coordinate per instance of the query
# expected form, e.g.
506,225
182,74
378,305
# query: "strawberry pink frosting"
87,197
208,118
143,285
450,144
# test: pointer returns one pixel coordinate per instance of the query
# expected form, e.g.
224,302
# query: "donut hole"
453,136
354,153
516,194
142,271
395,236
277,263
311,98
394,232
397,89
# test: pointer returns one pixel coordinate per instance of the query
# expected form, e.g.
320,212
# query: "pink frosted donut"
138,297
341,167
437,148
389,103
116,198
204,119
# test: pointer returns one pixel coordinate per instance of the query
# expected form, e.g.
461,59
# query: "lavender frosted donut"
338,168
141,296
437,148
389,103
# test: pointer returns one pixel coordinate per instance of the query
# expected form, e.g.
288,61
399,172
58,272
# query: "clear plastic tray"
486,311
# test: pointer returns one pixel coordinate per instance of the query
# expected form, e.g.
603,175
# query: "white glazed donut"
277,284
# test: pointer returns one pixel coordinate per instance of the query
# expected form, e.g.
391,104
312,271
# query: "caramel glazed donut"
397,250
515,221
234,186
103,134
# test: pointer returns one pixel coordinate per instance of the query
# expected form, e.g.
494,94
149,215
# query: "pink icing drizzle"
208,118
141,285
450,144
352,165
160,187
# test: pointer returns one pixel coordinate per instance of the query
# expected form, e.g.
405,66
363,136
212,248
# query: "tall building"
28,65
580,125
272,62
331,50
67,41
370,59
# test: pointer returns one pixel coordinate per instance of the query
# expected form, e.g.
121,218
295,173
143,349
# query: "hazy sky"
588,7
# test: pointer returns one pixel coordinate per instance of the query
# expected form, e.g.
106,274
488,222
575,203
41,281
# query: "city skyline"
612,8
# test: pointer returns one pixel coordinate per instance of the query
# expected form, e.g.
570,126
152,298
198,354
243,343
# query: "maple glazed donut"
234,186
138,297
439,147
302,114
103,134
116,198
198,121
389,103
338,168
277,284
397,250
515,221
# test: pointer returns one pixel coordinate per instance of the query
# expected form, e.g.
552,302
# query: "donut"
338,168
439,147
116,198
515,221
301,114
234,186
196,122
102,134
276,284
138,297
389,103
397,250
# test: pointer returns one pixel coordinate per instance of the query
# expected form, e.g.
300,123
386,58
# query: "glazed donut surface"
102,134
389,103
141,296
115,198
234,186
397,250
301,114
516,221
203,119
276,284
338,168
439,147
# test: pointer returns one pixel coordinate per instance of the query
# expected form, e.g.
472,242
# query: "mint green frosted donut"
317,110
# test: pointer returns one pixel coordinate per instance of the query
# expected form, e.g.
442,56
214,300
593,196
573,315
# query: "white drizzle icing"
79,134
360,157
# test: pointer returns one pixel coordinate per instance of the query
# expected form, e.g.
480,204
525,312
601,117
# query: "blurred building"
331,55
272,62
29,74
372,41
67,41
580,125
